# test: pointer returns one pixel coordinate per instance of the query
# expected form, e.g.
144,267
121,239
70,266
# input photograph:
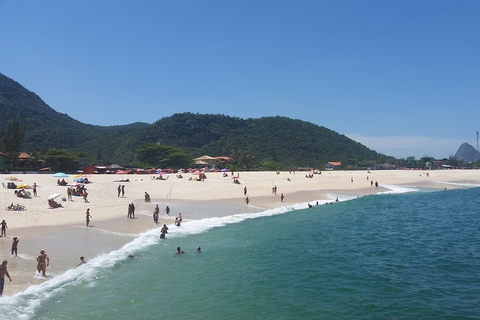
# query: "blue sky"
401,77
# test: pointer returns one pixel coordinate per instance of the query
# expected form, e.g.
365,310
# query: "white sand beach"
63,234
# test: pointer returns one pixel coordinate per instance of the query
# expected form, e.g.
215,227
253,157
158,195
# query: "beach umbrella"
60,175
224,170
79,179
23,185
11,178
53,196
78,176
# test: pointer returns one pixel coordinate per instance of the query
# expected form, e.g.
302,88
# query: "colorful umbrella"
60,175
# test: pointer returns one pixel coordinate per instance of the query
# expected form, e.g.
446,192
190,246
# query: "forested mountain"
47,128
280,139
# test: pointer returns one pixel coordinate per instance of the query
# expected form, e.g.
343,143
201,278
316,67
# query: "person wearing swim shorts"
3,273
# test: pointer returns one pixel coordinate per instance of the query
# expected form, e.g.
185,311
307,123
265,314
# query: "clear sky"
401,77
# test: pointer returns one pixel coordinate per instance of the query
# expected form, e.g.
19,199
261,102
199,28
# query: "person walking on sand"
4,229
245,191
3,273
282,197
14,246
88,216
34,189
42,262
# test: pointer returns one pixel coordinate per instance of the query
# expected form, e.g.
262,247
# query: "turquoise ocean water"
404,255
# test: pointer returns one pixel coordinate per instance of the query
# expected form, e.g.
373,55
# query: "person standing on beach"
4,229
42,262
119,190
133,211
3,273
69,194
14,246
282,197
167,210
34,189
245,191
247,200
88,216
123,190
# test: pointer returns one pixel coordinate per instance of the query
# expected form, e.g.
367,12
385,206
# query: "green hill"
280,139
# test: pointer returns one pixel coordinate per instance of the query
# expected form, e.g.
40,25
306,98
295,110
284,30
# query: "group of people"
156,213
3,266
79,191
62,183
180,251
22,193
131,211
121,190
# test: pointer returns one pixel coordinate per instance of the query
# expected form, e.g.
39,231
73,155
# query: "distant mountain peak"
467,152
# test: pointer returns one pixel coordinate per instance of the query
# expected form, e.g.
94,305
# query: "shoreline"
63,234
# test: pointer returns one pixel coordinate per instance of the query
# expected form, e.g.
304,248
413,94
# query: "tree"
63,160
243,159
35,158
270,166
11,139
157,155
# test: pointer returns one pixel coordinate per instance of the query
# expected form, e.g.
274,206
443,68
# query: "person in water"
42,262
3,273
82,261
179,251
